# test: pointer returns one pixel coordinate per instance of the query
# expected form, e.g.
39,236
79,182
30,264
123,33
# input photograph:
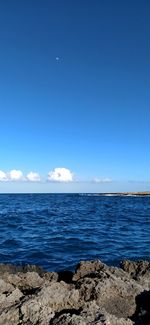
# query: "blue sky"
74,96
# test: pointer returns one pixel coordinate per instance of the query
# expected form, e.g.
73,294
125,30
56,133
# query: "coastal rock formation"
95,294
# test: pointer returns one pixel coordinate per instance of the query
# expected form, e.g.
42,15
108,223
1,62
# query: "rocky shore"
94,294
127,194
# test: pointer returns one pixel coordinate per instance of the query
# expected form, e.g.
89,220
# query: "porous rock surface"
95,294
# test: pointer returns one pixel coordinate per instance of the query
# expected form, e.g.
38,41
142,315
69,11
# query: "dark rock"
65,276
142,313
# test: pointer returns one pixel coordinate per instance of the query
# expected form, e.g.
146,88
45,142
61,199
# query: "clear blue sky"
75,94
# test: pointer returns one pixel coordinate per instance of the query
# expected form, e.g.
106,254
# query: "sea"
56,231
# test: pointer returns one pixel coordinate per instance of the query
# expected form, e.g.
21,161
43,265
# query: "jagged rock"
13,269
34,311
49,300
136,269
51,276
29,280
10,317
91,314
13,297
87,267
96,294
5,287
111,292
59,296
139,271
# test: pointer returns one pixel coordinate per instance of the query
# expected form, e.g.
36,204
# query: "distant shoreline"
117,194
126,194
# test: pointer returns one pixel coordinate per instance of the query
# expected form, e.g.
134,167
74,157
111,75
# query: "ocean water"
56,231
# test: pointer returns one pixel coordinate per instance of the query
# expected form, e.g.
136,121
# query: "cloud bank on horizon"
17,175
57,175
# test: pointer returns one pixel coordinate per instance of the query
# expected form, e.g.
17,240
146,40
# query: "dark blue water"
58,230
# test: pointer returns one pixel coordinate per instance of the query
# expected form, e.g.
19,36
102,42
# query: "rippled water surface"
58,230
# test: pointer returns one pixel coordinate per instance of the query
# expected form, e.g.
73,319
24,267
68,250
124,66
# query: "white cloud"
3,176
102,180
33,177
60,175
15,175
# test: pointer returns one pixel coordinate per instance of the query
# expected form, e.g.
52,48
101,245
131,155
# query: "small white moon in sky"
57,58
